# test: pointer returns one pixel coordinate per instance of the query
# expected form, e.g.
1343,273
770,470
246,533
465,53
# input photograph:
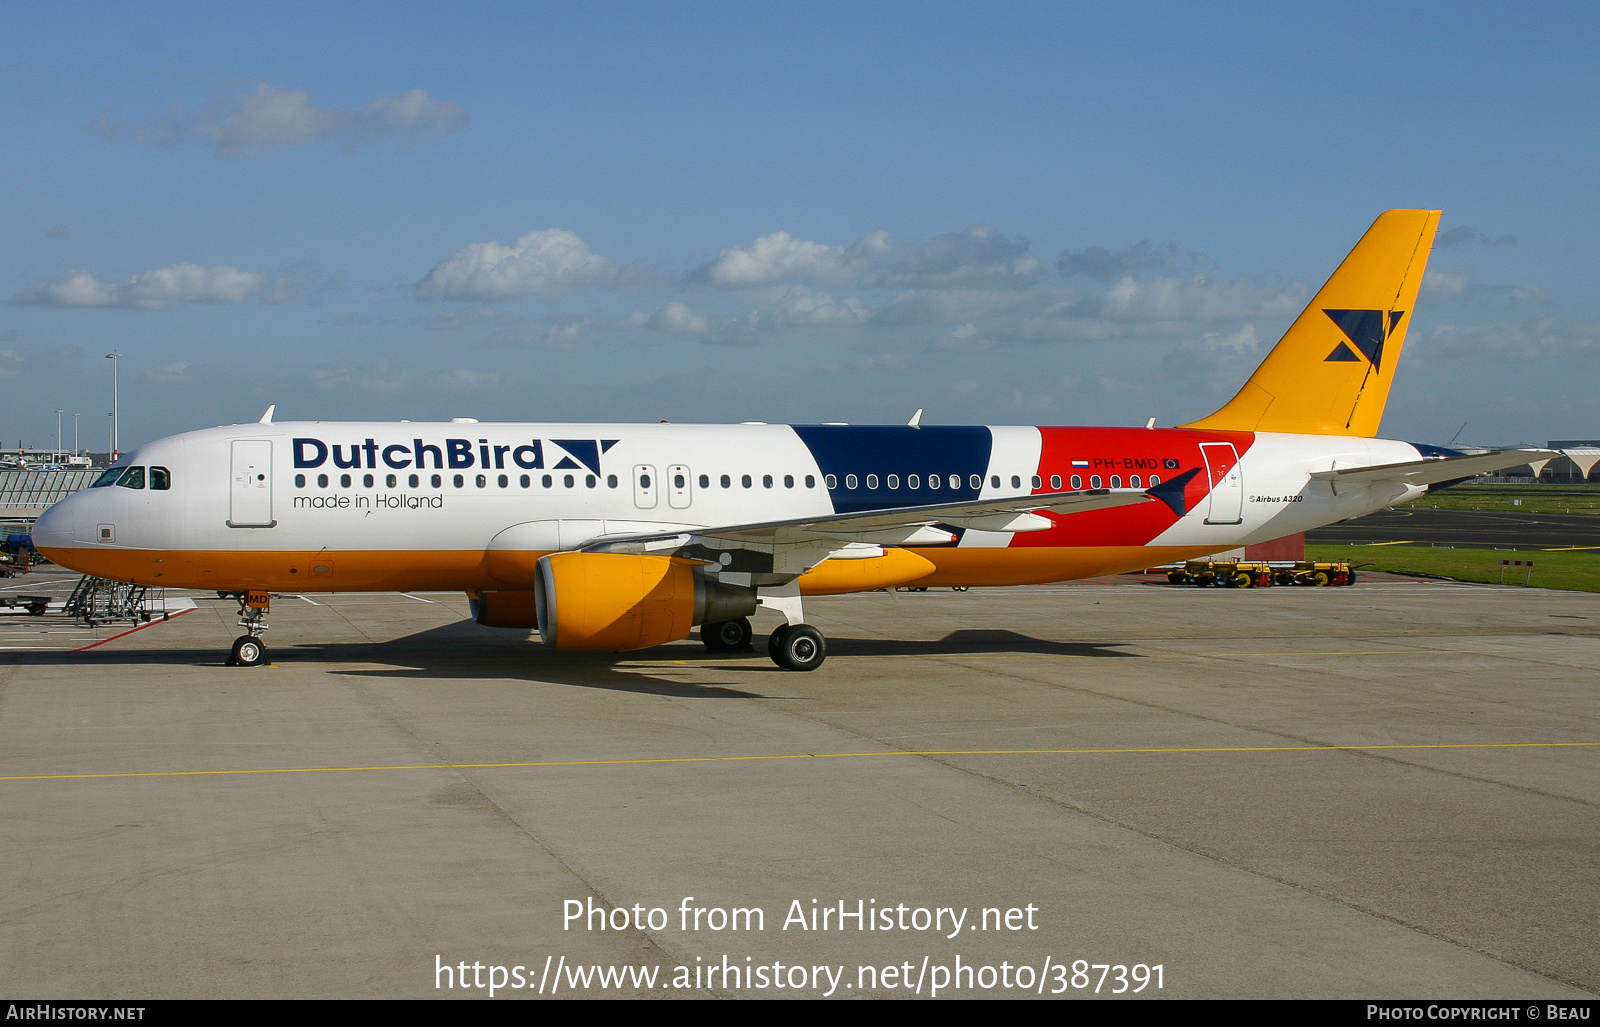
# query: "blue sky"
1019,213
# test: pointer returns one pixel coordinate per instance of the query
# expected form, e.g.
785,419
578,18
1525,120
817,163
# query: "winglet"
916,419
1171,491
266,418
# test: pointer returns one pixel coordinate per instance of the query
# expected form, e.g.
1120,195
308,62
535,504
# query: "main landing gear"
797,647
791,646
248,649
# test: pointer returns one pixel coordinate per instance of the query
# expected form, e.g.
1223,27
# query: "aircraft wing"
1430,470
907,525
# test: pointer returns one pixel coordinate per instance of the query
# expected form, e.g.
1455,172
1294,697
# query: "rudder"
1330,373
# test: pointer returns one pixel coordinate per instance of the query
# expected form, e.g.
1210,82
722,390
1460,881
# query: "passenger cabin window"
994,481
1016,481
727,482
831,481
893,481
850,481
1077,481
589,481
811,482
913,482
705,481
546,481
460,481
1094,481
611,481
132,478
366,481
1134,481
569,481
504,481
344,481
1037,482
745,480
160,479
437,481
1116,481
1055,483
1155,479
299,481
872,481
108,477
644,481
933,481
766,481
322,481
390,480
788,481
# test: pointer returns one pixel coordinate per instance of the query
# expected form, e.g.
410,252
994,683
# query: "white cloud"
978,258
10,364
677,318
546,263
273,116
175,283
1164,307
545,335
373,376
1462,283
1464,234
1541,339
466,317
778,256
1100,263
465,379
1243,342
300,283
939,306
801,306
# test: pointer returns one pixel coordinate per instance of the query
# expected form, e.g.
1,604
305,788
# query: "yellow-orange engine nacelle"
616,601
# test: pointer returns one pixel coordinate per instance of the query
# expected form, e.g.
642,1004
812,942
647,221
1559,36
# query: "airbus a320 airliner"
621,536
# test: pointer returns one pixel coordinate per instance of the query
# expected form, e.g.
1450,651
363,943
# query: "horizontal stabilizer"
1431,470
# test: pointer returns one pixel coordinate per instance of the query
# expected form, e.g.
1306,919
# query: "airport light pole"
76,449
59,412
114,439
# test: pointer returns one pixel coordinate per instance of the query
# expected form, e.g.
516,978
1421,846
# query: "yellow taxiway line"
808,756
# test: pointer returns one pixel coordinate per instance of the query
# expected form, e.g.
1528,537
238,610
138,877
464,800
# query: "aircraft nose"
54,526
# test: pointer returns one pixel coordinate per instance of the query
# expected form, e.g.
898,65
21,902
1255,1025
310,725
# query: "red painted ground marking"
130,631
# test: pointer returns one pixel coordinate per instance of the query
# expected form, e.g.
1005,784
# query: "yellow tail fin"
1330,373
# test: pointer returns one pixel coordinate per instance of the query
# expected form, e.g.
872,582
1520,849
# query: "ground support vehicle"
1260,574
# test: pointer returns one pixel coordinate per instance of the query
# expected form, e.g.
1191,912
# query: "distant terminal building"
1579,462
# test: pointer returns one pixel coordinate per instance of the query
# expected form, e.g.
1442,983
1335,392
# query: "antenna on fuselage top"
916,419
266,418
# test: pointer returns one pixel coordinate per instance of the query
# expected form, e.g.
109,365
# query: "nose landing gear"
248,649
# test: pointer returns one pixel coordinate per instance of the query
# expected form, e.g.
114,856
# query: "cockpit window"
160,479
132,478
108,477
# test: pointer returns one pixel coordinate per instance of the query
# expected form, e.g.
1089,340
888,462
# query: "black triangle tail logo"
1343,352
1366,330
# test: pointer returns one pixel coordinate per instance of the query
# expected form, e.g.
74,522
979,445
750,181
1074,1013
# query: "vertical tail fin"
1330,373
